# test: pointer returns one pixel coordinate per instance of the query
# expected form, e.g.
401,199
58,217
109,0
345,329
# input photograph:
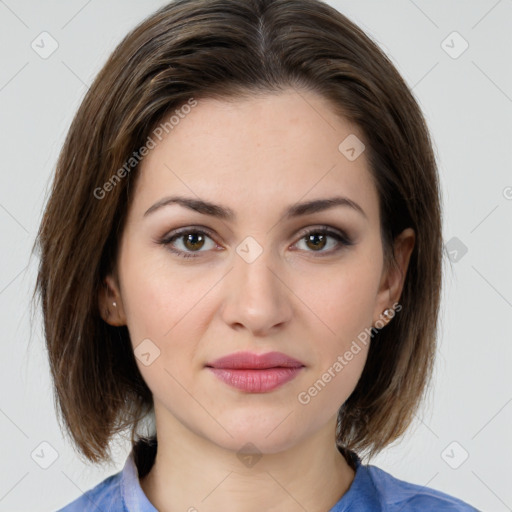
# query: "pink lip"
252,361
255,373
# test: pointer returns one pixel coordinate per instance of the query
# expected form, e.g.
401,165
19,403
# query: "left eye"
193,240
318,238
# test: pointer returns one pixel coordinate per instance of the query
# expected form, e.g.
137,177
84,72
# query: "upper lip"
250,360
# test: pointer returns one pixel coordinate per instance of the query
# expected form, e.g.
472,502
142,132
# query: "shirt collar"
134,499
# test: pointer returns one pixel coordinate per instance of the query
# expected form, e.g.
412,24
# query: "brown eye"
192,241
189,242
317,239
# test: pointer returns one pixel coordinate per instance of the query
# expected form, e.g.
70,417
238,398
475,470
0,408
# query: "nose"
256,297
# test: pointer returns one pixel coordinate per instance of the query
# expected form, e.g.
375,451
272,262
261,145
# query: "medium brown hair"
230,49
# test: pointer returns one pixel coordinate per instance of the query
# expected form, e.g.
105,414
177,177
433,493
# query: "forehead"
257,153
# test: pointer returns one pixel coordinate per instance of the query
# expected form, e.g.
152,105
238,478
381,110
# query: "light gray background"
468,104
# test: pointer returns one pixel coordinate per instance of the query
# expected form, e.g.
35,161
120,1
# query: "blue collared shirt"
371,490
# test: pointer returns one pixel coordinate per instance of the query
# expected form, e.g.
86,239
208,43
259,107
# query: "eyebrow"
225,213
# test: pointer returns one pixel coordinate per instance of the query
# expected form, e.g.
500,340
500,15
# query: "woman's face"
255,281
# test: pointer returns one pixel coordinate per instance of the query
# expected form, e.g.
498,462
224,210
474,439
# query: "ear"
109,294
393,277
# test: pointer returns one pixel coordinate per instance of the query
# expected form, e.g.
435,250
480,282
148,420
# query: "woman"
244,239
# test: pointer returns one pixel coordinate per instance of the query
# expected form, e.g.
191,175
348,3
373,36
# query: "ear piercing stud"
388,314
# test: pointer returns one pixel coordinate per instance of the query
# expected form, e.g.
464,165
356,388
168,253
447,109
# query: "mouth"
252,361
256,373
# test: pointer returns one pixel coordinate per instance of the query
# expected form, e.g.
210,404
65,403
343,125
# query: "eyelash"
341,237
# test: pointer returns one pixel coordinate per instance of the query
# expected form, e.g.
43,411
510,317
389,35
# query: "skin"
256,156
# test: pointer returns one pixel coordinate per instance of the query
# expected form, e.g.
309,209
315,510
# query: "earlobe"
110,303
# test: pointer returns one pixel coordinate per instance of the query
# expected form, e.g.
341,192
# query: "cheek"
341,297
159,297
341,343
338,366
166,304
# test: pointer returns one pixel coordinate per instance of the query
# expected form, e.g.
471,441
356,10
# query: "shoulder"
104,496
396,494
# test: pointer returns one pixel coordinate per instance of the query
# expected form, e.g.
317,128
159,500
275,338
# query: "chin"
256,444
270,436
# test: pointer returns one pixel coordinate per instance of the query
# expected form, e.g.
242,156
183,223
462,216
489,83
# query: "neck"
192,473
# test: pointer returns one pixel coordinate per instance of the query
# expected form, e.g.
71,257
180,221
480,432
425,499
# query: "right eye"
191,239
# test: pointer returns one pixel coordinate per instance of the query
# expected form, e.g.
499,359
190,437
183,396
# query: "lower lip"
256,381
